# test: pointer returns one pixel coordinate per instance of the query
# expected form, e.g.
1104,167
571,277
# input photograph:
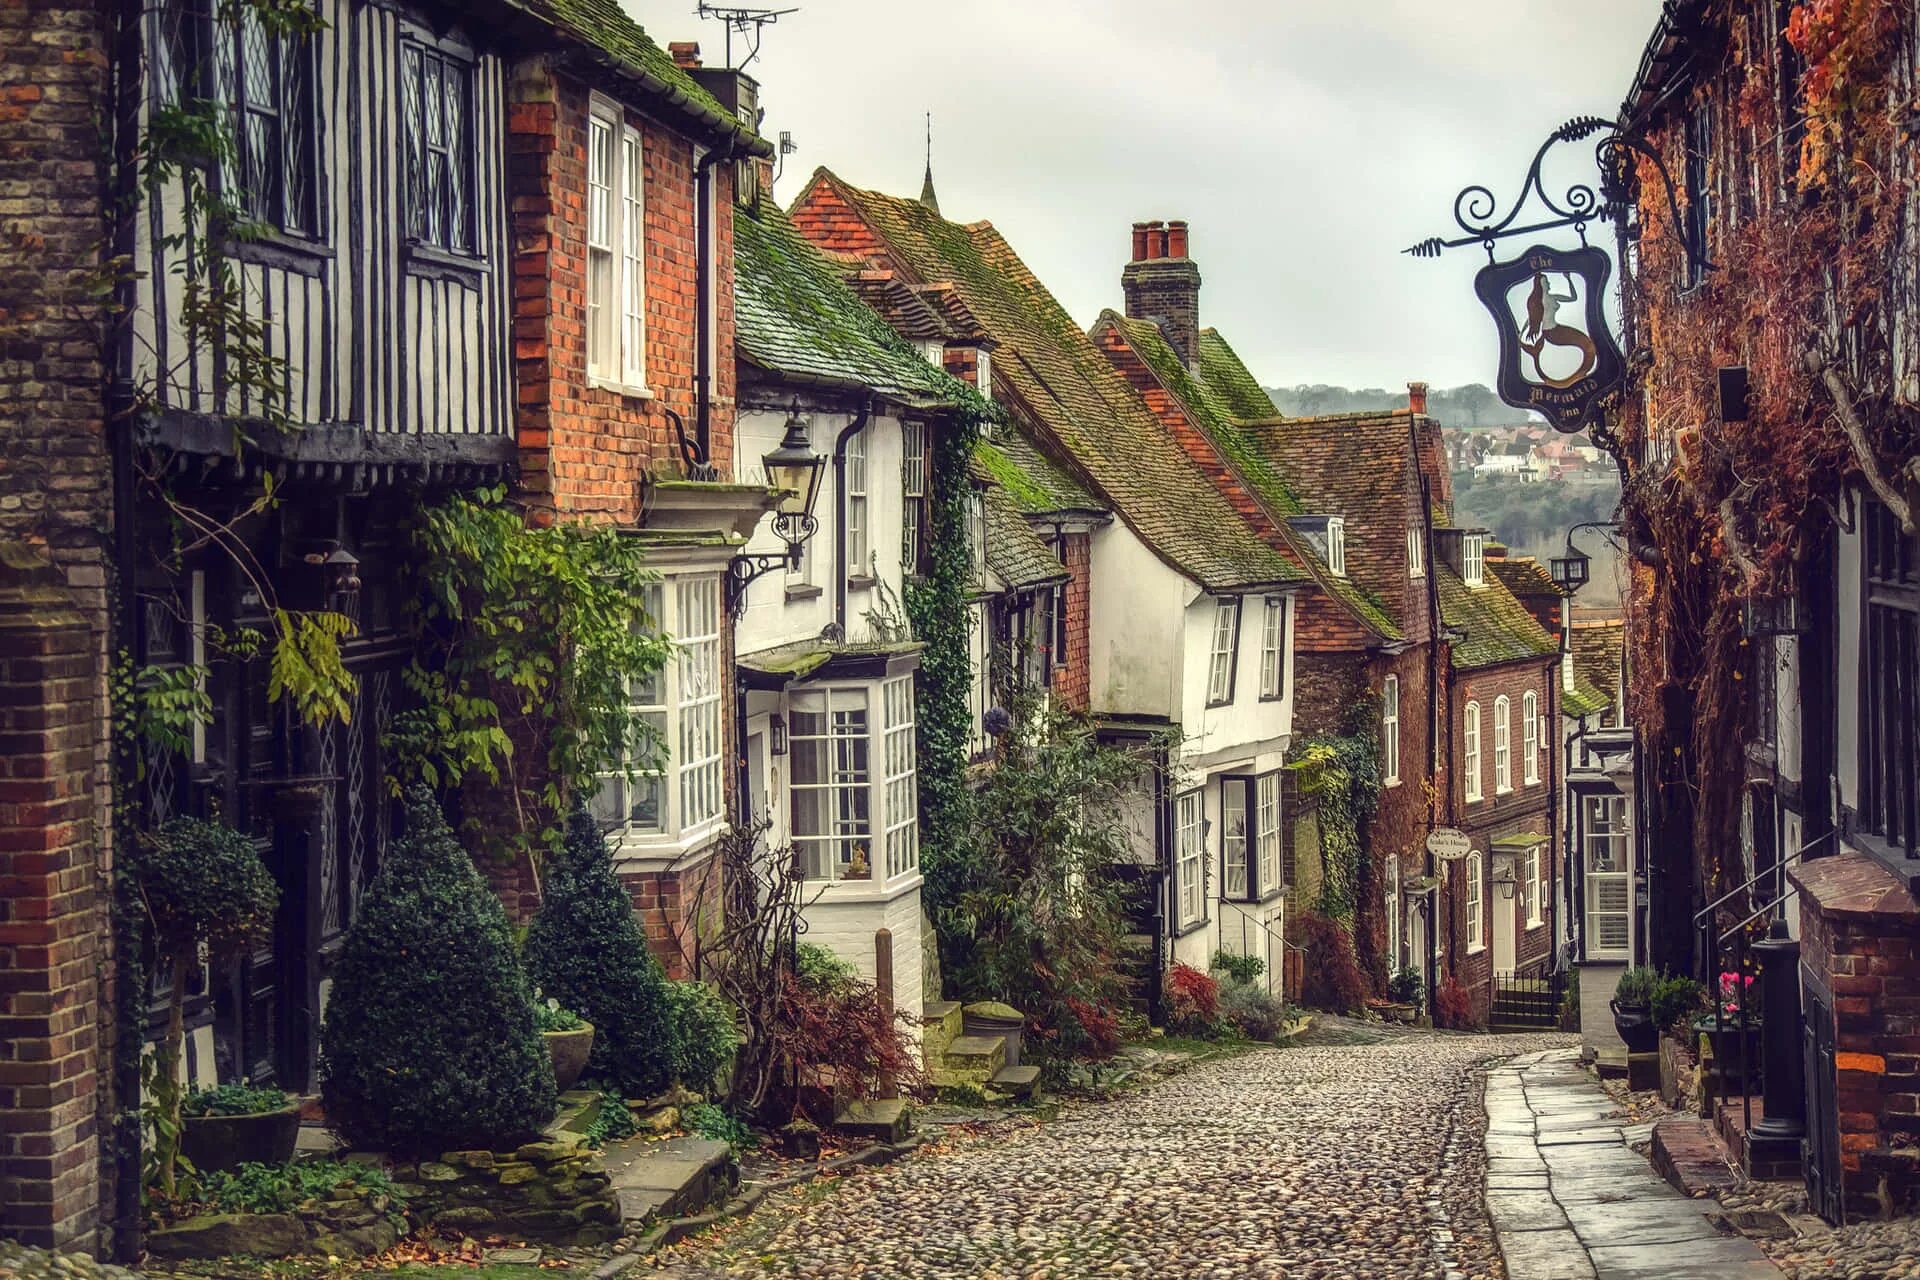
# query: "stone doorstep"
668,1179
1019,1082
1690,1156
883,1120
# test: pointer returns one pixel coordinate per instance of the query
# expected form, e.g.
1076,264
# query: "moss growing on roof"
1015,553
1497,626
1081,403
1583,699
1017,485
795,315
1230,381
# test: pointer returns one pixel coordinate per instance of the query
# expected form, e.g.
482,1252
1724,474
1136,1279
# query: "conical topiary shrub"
586,950
429,1042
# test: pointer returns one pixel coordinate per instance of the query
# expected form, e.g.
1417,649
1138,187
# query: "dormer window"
1416,553
1473,553
1337,547
936,352
983,374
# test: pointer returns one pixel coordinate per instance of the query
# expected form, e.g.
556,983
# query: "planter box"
227,1142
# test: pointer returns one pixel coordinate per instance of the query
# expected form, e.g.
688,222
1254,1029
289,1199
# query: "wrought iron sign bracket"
1475,207
749,567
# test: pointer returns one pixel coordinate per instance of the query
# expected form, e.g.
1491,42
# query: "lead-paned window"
831,779
1190,857
898,753
1603,851
1225,652
437,116
1889,700
616,244
265,80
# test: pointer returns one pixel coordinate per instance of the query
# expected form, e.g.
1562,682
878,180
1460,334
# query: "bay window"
1236,880
1266,833
680,705
1603,853
1190,859
616,228
902,795
1502,745
838,805
1226,650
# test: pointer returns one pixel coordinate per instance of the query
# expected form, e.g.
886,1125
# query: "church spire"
927,198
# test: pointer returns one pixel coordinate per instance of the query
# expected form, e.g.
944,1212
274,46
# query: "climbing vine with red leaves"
1809,175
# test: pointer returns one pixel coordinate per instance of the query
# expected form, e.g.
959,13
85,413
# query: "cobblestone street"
1356,1156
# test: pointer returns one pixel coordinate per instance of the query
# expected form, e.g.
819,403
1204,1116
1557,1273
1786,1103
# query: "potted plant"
1736,1049
568,1037
205,890
235,1124
1632,1006
1406,988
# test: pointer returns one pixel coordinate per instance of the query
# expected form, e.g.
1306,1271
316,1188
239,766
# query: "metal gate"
1526,1001
1820,1149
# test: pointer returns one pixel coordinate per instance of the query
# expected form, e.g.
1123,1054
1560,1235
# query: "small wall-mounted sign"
1557,356
1448,844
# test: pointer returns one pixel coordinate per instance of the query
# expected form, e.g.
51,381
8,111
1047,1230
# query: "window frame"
983,372
616,324
913,495
1222,663
1240,785
1888,804
1531,885
1470,753
1416,553
460,235
1269,801
1390,731
1473,559
1472,904
1616,838
1502,745
1189,859
1061,603
1530,737
1337,546
200,74
857,510
1273,649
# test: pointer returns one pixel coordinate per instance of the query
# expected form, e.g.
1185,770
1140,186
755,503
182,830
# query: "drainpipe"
703,288
1434,674
840,442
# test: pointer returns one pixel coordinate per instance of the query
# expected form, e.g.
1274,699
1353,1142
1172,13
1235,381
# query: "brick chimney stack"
1417,397
685,54
1162,284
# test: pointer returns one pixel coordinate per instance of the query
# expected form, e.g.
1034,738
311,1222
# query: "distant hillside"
1473,405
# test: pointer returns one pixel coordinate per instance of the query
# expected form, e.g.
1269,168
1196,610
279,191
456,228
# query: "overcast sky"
1306,143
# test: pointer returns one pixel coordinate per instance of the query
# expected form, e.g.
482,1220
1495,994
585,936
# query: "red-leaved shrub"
1332,978
1098,1030
843,1033
1452,1006
1193,1001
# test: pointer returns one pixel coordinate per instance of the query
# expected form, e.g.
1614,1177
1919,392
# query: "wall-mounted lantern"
794,469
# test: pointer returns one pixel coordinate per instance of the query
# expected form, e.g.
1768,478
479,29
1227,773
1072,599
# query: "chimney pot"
1156,240
1417,397
1176,239
1139,241
685,53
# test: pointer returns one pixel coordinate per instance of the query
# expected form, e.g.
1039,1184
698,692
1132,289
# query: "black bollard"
1784,1069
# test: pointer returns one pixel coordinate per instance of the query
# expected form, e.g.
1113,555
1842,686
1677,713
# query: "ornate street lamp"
1570,571
794,469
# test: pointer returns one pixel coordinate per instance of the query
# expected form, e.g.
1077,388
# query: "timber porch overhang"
225,450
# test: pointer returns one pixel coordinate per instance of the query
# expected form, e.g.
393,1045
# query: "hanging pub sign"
1557,356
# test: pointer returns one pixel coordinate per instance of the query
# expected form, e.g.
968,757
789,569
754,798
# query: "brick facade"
1071,683
56,992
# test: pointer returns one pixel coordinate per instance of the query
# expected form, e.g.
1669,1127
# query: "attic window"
983,374
935,351
1473,559
1416,553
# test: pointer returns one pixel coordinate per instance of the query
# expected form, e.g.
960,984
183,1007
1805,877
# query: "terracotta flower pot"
227,1142
569,1050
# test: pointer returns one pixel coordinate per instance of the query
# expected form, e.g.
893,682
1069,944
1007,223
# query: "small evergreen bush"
1254,1011
585,949
705,1033
429,1041
1240,969
1636,986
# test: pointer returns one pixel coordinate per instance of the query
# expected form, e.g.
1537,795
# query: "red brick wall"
584,448
831,223
674,907
1070,682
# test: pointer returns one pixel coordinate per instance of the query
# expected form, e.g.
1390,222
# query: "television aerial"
750,24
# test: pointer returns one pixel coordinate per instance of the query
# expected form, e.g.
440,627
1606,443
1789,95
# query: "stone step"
943,1024
1019,1082
670,1179
970,1060
883,1120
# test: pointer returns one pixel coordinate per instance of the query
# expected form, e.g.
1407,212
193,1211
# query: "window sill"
1191,927
443,264
1270,697
1502,791
630,391
803,591
1536,923
285,250
1390,782
861,582
1475,799
1474,949
852,892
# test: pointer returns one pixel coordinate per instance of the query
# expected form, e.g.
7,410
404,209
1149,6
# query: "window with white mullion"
830,778
1416,553
1390,730
1502,745
1273,649
637,803
1236,880
1470,764
602,175
1190,860
902,840
632,234
699,701
1533,886
1530,744
1226,646
1476,938
913,492
856,507
1603,850
1266,832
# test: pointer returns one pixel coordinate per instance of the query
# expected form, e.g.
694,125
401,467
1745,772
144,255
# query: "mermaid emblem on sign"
1546,329
1557,356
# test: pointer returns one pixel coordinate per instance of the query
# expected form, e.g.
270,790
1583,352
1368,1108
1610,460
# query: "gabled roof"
796,318
1015,553
1525,577
1089,419
1029,481
603,28
1259,471
1495,626
1597,648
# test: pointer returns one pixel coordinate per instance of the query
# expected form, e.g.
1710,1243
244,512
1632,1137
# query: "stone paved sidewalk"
1570,1200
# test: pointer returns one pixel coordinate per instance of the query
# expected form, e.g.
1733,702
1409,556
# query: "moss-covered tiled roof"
603,26
1089,416
1597,648
795,316
1015,553
1033,483
1497,627
1583,699
1525,577
1231,382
